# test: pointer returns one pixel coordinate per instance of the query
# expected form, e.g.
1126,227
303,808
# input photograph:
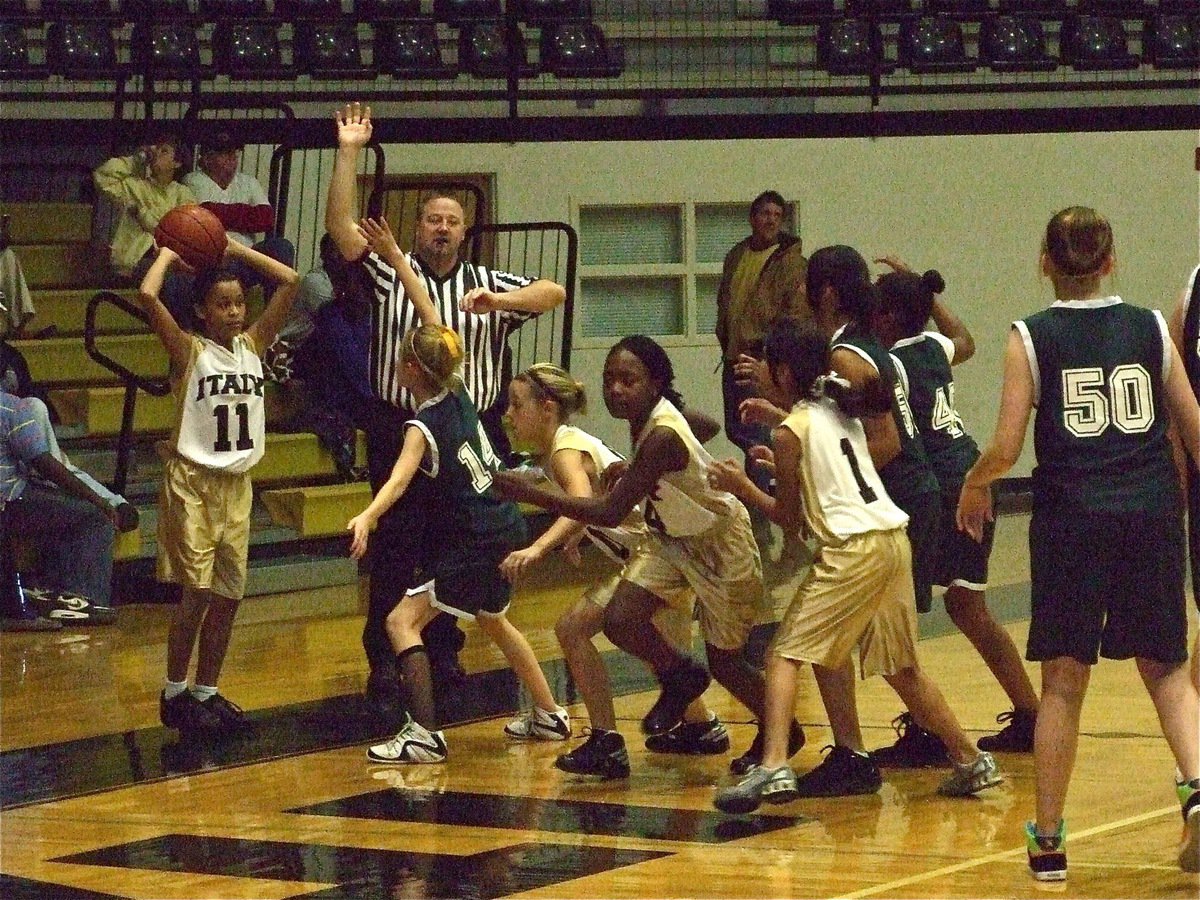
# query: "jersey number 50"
1090,404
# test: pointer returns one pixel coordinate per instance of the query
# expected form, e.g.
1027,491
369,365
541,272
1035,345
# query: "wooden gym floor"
98,800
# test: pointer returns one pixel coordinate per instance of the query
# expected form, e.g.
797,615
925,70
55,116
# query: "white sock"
203,691
172,689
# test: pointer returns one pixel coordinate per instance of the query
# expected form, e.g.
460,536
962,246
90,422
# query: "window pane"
721,225
629,235
718,228
615,307
706,303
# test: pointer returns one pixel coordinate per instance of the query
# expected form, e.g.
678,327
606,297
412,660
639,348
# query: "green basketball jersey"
924,370
1100,432
908,475
464,511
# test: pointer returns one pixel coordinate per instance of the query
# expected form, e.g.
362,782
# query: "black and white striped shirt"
484,336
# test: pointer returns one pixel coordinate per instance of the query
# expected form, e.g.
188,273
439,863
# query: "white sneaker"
540,725
412,744
978,775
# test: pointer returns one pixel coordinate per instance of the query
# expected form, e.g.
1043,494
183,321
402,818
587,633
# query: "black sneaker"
679,688
231,716
915,748
753,756
843,773
692,739
69,608
185,713
602,754
1015,737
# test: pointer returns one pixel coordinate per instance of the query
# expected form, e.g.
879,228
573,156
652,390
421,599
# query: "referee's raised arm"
353,133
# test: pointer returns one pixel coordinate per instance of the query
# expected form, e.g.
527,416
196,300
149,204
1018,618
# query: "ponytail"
872,398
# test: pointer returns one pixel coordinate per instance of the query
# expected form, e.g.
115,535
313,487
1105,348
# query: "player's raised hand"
353,125
379,236
895,263
174,260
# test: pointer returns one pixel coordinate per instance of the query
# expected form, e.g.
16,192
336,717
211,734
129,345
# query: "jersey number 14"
480,469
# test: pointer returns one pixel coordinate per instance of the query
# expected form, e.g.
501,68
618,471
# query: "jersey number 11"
244,441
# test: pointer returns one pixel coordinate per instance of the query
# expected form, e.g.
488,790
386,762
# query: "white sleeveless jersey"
683,503
221,422
843,494
620,542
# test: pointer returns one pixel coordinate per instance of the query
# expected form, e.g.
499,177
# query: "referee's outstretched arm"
353,133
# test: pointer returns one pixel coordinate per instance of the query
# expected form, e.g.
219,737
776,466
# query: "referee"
484,306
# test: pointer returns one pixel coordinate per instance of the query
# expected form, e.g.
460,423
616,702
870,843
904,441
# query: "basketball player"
860,588
1185,331
470,535
700,543
1106,536
923,361
842,296
219,433
540,402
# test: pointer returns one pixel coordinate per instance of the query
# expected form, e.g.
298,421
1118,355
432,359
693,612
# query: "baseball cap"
220,142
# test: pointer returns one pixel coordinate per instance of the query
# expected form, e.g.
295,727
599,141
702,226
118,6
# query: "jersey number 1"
244,441
865,490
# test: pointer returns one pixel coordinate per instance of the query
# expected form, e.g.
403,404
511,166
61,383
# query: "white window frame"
688,270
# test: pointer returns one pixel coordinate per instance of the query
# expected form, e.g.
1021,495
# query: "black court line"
13,887
59,771
355,872
553,815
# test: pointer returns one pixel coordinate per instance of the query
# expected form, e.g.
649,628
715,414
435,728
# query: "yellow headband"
452,341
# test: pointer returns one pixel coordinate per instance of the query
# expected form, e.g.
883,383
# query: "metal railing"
537,250
158,387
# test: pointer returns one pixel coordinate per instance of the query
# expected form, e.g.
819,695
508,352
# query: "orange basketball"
195,234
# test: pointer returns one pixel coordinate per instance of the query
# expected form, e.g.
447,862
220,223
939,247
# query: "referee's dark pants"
397,551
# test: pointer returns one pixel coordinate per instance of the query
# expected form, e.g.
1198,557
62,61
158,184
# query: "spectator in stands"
15,379
238,200
144,188
14,371
127,514
484,307
72,525
762,280
320,358
16,304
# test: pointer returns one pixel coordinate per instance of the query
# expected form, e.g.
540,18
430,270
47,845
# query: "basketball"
195,234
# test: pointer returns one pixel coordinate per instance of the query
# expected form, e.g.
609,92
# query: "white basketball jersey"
843,494
683,503
221,419
617,543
